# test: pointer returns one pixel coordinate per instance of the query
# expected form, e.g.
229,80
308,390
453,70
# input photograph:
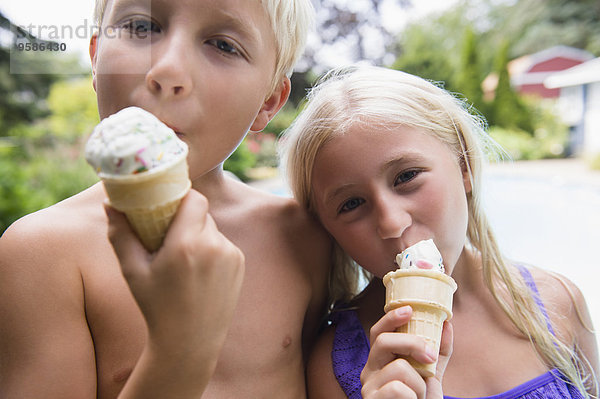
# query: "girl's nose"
170,73
392,219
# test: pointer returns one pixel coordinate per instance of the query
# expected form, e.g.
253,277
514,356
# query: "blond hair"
385,99
290,20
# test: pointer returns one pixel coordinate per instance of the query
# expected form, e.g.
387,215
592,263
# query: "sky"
71,21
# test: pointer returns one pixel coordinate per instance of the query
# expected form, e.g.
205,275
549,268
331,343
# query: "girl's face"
379,192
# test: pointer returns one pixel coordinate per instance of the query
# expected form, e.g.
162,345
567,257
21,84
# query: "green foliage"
39,179
593,161
508,110
41,163
240,161
424,49
549,139
22,93
534,25
469,76
521,145
282,120
73,109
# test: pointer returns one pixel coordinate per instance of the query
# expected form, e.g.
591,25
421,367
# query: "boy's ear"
94,56
272,105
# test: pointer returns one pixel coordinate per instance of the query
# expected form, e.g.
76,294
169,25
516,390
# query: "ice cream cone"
429,293
149,199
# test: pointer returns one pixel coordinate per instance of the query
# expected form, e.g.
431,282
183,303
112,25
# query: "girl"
385,159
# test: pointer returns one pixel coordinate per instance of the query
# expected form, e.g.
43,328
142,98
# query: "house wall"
592,120
554,64
531,82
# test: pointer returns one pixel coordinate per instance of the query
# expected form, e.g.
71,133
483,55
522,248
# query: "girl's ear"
272,105
94,56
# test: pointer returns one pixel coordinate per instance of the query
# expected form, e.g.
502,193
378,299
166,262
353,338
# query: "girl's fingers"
389,346
391,321
397,377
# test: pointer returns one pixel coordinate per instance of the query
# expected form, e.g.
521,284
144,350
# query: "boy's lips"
178,132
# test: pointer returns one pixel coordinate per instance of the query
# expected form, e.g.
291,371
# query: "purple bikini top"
351,350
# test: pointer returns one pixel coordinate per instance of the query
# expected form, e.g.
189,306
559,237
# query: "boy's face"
204,67
378,193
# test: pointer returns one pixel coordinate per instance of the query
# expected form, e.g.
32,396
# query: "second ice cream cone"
429,293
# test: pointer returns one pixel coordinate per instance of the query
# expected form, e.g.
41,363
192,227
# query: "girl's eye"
406,176
141,28
351,204
224,46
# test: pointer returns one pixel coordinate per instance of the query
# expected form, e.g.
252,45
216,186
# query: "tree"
469,75
347,31
22,93
422,54
507,109
43,162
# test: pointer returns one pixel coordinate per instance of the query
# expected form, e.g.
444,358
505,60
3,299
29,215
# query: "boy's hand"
387,376
188,290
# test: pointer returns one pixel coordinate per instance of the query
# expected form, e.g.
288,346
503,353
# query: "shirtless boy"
228,305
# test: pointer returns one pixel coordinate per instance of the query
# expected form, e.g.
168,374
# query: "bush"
520,145
241,161
35,180
593,161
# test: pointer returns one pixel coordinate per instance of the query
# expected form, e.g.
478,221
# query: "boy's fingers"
125,243
191,214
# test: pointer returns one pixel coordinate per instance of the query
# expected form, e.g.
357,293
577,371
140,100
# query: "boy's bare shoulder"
278,215
54,232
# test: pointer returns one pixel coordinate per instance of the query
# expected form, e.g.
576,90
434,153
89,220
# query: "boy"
231,301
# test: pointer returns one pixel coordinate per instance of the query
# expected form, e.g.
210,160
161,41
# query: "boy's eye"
224,46
351,204
406,176
141,27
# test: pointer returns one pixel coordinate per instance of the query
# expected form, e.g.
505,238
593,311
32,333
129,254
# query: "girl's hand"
387,376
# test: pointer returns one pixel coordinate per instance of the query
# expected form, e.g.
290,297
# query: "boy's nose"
391,220
169,75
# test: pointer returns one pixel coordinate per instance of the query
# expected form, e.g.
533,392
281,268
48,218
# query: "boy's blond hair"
383,100
291,21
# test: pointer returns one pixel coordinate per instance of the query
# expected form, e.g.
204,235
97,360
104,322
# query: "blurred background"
530,67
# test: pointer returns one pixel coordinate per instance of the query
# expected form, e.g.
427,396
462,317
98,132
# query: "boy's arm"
187,293
46,349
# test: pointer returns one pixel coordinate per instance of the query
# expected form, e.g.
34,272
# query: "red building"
527,73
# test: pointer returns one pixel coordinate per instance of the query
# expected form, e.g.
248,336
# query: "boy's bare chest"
264,342
117,327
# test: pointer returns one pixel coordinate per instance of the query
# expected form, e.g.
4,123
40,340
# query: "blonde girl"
385,159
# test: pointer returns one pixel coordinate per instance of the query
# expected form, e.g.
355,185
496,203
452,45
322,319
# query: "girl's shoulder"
565,304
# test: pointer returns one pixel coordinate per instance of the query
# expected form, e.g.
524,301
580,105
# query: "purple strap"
535,293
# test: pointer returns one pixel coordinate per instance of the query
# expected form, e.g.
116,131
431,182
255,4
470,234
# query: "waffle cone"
149,199
429,293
